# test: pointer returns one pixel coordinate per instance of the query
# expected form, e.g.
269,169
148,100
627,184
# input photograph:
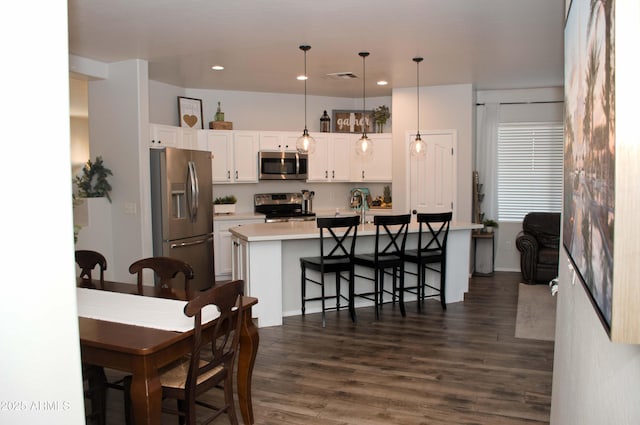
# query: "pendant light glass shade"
418,147
305,143
364,145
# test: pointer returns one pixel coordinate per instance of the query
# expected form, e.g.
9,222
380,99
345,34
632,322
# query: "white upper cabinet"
278,140
235,156
220,144
378,166
330,161
168,136
164,136
194,139
246,145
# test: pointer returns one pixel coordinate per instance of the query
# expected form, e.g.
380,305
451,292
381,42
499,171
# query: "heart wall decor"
190,112
191,120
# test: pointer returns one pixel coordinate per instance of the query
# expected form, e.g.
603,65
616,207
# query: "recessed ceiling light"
301,77
382,83
217,67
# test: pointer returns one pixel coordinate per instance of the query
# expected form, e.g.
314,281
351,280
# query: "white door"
432,179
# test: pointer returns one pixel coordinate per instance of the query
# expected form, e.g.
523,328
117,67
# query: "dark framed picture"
346,121
190,112
589,216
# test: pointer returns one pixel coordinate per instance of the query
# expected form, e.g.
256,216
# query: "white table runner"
150,312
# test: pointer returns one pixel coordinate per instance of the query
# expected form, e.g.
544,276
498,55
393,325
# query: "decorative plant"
386,195
490,223
92,182
381,114
229,199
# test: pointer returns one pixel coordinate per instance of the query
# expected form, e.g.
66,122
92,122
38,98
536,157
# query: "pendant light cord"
305,48
364,80
417,61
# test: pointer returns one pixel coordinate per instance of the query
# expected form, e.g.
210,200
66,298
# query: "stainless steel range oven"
279,207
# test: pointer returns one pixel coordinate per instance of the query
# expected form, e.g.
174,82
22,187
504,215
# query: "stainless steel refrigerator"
182,210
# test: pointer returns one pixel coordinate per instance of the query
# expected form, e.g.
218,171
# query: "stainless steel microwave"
280,165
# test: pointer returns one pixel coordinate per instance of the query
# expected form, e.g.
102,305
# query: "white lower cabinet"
224,246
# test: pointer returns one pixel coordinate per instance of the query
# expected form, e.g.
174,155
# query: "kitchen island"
267,257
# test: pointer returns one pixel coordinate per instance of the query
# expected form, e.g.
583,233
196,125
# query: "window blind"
530,161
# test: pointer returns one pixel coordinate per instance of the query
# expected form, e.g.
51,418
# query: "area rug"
536,317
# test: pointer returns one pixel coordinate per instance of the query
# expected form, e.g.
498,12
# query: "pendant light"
418,147
364,145
305,143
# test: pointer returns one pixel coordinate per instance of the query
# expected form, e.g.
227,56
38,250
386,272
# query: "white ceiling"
493,44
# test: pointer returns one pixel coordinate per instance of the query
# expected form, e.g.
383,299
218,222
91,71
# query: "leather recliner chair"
539,246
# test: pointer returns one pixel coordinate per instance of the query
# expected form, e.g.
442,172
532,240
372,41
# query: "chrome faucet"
358,194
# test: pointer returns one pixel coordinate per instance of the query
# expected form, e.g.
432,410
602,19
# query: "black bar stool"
431,254
336,257
391,236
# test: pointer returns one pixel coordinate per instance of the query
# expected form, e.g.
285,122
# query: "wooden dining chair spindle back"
87,260
166,269
211,361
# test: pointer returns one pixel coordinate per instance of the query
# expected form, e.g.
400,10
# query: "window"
530,160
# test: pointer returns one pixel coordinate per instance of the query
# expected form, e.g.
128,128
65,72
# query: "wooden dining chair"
94,379
211,361
95,391
166,269
87,260
430,255
336,257
386,258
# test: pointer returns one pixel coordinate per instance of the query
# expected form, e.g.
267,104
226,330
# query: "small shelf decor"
190,112
225,205
489,225
380,116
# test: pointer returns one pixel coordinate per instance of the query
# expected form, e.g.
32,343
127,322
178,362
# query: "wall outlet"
130,208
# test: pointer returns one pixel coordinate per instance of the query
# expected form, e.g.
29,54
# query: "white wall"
595,381
39,333
525,110
441,108
253,110
118,121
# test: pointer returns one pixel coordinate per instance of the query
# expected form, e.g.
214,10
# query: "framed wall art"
346,121
600,203
190,112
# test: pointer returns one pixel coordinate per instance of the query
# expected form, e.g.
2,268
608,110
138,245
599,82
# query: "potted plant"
489,225
380,116
225,205
92,182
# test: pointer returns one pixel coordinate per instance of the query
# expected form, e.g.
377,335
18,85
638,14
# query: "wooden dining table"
141,351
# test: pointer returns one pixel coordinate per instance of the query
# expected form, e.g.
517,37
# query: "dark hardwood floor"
461,366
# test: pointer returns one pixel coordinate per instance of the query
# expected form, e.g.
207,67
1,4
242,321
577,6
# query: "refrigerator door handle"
198,242
192,182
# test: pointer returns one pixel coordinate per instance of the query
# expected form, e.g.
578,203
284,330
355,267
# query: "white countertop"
238,216
293,230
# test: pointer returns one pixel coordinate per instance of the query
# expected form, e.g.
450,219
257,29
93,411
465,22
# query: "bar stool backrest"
391,229
434,231
340,246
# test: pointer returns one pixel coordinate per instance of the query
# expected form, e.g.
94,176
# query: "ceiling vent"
342,76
